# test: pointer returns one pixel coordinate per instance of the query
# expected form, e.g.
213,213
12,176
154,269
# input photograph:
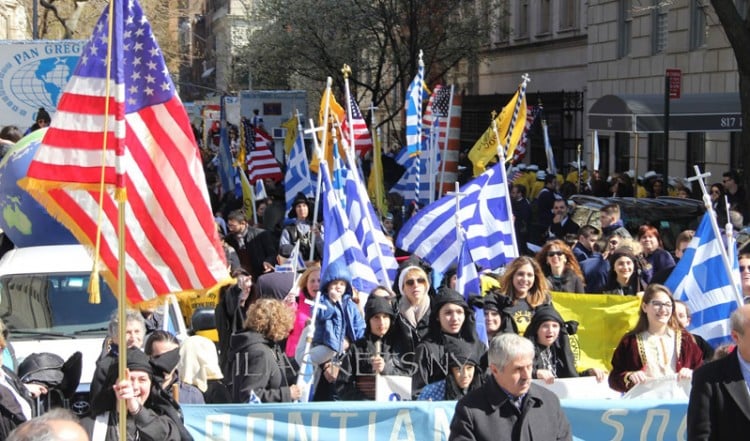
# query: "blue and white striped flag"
468,282
297,178
484,215
340,241
369,232
414,95
701,280
409,180
340,173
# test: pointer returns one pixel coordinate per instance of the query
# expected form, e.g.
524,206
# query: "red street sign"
675,83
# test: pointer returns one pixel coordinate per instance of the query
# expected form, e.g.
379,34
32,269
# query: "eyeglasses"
554,253
412,282
744,268
661,305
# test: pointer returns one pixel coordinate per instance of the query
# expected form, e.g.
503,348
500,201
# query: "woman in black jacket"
259,366
451,322
561,268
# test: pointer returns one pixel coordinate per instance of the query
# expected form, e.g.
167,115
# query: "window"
698,26
502,25
603,155
696,153
657,153
742,8
568,14
522,28
658,28
545,17
622,152
735,151
624,28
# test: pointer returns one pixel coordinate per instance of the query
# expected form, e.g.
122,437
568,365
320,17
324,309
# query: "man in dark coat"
254,246
719,407
508,406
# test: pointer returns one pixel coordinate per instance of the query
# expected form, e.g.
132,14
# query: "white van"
44,302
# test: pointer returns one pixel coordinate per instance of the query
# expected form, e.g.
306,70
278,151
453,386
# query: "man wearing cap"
302,228
544,203
278,283
149,414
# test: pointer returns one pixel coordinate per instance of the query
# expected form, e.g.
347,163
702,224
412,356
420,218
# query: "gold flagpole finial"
346,71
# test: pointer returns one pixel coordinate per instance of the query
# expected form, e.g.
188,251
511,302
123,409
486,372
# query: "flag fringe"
38,188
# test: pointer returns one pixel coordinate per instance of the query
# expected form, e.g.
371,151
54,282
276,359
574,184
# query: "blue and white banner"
591,420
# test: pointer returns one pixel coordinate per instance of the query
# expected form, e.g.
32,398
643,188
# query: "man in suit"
508,406
719,407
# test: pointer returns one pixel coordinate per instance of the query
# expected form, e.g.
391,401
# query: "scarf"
413,313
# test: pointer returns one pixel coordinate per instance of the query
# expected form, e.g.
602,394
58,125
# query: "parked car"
669,215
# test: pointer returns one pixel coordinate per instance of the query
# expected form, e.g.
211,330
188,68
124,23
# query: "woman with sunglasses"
656,347
560,266
524,283
414,303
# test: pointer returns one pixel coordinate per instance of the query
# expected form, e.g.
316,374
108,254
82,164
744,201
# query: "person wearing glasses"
656,347
414,302
560,267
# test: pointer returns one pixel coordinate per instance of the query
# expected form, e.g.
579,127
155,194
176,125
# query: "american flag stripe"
171,242
362,139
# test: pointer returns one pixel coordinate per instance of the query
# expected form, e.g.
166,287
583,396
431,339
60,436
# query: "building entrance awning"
712,112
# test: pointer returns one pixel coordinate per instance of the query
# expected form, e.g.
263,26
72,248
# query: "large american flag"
151,157
362,139
261,164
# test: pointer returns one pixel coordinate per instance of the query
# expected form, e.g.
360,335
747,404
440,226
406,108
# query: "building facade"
615,47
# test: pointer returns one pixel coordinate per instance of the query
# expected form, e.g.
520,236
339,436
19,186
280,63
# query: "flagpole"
715,227
347,71
360,185
320,150
445,146
501,157
512,125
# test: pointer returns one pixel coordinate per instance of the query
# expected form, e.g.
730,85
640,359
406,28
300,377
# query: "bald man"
56,425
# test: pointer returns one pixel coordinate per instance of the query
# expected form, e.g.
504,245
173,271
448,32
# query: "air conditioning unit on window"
279,132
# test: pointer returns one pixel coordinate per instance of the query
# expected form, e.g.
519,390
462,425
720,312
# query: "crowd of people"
417,329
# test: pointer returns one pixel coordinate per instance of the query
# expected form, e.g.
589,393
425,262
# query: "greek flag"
468,283
414,95
701,280
409,180
340,241
297,178
369,232
484,215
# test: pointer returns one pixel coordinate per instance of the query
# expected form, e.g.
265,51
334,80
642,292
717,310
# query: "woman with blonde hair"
308,284
560,266
414,305
524,283
259,366
656,347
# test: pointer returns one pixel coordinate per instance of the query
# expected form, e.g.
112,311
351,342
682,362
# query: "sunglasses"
412,282
554,253
744,268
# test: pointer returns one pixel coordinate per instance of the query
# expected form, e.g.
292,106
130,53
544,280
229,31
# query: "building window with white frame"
659,15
